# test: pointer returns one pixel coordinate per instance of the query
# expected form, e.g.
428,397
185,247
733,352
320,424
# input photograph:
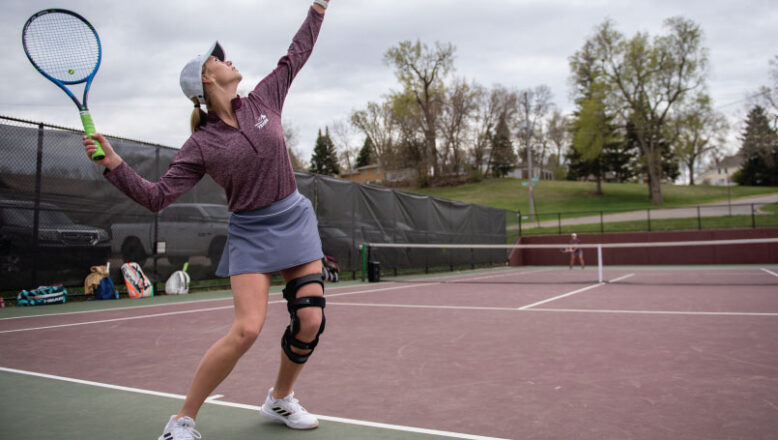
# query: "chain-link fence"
701,217
59,216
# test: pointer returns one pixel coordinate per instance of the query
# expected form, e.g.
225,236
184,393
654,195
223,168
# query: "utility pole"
528,138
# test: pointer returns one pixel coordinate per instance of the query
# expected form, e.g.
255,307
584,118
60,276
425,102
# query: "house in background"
721,172
377,175
366,174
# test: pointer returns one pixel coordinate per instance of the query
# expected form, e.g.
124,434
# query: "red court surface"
503,354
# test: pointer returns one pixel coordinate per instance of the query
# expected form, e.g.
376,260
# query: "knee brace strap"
293,304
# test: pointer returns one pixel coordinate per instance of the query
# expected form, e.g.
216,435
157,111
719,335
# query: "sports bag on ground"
330,269
178,283
106,289
43,295
138,285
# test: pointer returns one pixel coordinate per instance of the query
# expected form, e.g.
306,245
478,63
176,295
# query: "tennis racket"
65,48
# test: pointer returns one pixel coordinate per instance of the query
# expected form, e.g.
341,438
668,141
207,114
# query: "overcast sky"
518,44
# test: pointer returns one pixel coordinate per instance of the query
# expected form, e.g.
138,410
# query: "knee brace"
293,304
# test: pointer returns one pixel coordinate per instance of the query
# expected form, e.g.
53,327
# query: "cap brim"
217,51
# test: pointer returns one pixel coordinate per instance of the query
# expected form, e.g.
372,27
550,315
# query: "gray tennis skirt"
280,236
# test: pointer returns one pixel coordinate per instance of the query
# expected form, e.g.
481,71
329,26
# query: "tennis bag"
43,295
106,289
138,285
330,269
178,283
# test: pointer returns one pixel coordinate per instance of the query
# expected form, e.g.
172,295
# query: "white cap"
192,74
573,235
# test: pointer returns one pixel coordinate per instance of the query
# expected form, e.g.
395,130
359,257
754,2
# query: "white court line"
406,286
251,407
420,306
770,272
329,287
183,312
653,312
128,318
574,292
425,284
118,308
622,278
584,289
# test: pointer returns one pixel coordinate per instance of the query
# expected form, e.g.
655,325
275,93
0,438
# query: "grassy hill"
567,196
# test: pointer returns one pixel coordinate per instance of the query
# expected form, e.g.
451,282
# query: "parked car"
63,245
187,229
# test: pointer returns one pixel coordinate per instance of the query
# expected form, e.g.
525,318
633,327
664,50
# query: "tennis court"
508,353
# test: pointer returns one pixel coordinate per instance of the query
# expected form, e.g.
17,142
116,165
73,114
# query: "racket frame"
86,117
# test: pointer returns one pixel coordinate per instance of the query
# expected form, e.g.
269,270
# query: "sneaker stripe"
282,411
168,436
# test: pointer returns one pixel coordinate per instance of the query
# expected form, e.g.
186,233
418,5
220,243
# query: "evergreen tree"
759,151
503,157
365,156
325,158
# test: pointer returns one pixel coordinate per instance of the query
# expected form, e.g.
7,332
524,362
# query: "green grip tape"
89,129
186,266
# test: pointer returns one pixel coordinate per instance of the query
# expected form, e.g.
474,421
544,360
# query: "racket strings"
63,46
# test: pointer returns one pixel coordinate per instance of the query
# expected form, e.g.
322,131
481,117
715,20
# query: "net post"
753,217
599,263
519,218
699,219
648,216
363,254
602,226
559,222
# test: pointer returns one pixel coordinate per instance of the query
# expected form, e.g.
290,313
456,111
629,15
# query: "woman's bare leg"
310,321
250,293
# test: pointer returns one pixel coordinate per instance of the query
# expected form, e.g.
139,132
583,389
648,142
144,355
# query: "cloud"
515,43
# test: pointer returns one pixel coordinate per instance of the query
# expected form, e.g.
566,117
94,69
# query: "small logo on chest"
262,120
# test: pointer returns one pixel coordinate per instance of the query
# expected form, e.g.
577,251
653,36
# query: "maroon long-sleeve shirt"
250,163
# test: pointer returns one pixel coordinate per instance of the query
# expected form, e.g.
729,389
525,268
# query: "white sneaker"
289,411
181,429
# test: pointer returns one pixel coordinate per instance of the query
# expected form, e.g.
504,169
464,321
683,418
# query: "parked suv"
187,229
63,245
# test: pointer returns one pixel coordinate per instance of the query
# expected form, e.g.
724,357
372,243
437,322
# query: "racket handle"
89,129
186,266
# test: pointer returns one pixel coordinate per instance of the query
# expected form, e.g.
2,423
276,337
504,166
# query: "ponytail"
198,117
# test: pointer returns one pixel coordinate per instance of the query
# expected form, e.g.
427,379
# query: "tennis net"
398,260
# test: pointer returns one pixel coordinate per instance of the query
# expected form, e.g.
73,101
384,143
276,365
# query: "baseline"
212,401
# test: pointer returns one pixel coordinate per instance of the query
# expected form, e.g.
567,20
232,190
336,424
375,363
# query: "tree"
325,158
700,131
457,112
503,156
647,80
411,149
593,131
759,151
365,153
342,136
420,71
490,106
290,138
533,105
558,134
377,123
767,96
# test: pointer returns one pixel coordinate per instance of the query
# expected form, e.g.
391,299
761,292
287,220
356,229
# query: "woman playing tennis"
239,142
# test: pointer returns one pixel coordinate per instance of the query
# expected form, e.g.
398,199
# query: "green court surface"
42,408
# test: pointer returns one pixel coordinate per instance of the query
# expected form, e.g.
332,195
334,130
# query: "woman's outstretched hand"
111,159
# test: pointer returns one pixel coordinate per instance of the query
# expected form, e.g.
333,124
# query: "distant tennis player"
240,144
575,250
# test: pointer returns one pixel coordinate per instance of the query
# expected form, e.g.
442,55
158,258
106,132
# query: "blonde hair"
198,116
